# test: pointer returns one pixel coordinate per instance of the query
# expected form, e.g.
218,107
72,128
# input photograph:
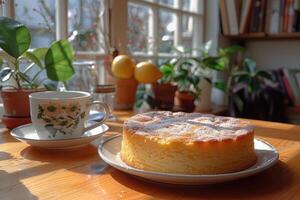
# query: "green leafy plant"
223,63
240,76
167,70
184,68
15,41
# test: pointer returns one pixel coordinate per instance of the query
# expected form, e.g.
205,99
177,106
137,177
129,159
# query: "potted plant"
187,84
247,88
252,88
164,89
17,84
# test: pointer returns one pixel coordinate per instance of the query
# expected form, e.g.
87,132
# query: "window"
152,30
156,26
39,17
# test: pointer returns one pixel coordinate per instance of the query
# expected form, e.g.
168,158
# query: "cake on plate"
186,143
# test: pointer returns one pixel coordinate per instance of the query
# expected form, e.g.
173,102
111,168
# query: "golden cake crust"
187,127
187,143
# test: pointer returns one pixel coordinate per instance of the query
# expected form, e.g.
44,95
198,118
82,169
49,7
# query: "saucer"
109,151
28,135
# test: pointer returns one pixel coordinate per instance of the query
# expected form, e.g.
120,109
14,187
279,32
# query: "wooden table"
31,173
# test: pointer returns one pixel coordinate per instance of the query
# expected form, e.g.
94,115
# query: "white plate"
28,135
109,151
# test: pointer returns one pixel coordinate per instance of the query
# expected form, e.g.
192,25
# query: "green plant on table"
15,41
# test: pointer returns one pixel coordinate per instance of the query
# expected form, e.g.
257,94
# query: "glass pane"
186,5
187,31
161,61
138,28
86,25
166,31
168,2
2,11
39,17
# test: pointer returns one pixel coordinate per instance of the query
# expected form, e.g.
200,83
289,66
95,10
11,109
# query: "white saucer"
28,135
109,151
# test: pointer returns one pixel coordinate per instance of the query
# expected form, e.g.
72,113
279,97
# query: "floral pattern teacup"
62,114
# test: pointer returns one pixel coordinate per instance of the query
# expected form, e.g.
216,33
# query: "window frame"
155,6
113,26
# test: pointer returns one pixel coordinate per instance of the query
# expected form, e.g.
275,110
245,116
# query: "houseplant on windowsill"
16,84
187,85
164,89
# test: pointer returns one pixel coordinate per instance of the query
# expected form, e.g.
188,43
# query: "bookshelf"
264,36
260,20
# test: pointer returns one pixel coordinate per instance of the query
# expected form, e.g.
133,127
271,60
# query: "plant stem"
17,75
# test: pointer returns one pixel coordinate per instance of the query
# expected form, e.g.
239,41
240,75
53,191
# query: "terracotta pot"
164,95
16,107
185,101
125,93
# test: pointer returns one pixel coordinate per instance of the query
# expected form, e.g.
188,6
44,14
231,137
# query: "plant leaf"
207,46
250,65
40,52
6,73
33,58
264,74
215,63
221,85
229,51
166,69
14,37
58,61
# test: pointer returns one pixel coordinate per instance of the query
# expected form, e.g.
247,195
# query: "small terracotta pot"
125,93
185,101
16,106
164,95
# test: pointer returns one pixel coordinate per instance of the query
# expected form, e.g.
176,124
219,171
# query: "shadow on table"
83,160
10,185
271,181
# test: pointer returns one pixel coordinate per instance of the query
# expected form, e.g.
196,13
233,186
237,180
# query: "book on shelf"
289,79
257,16
231,7
244,16
284,85
224,18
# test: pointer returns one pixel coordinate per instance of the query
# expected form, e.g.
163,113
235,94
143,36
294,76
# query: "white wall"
212,33
273,54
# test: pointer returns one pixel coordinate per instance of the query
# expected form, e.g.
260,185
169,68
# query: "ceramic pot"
185,101
164,95
125,93
16,107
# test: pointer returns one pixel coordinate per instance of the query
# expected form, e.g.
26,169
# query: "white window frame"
155,6
116,14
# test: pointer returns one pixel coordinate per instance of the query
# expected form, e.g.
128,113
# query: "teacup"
62,115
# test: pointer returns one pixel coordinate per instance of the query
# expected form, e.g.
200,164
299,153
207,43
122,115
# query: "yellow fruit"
122,67
146,72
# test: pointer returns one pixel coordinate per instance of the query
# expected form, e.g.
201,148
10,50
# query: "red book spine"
288,89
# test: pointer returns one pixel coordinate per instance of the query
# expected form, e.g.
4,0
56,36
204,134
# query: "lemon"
146,72
122,67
